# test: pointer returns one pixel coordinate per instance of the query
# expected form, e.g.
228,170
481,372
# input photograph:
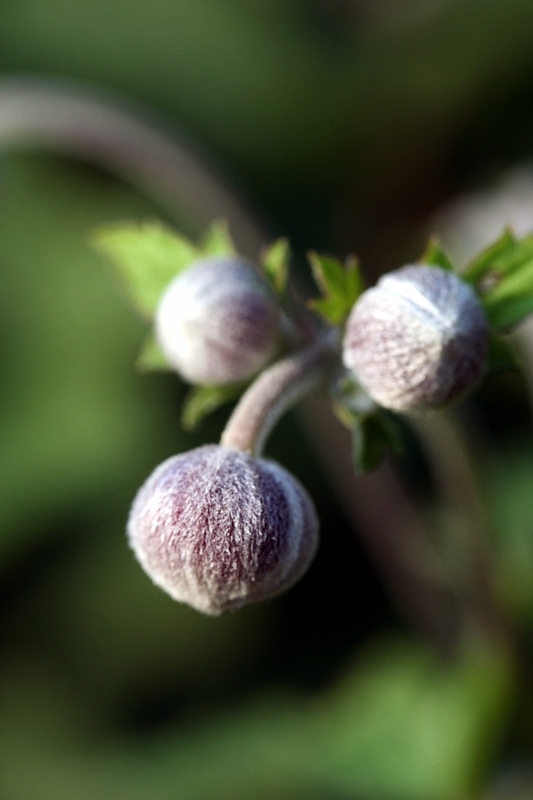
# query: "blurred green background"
347,125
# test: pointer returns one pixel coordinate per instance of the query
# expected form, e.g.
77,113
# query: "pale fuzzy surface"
216,528
218,322
418,339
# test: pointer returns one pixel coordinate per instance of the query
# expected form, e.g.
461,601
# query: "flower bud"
217,528
418,339
218,322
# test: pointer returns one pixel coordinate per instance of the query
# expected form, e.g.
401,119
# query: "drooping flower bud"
418,339
218,322
217,528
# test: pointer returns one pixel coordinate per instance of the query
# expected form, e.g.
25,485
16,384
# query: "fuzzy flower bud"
218,322
217,528
418,339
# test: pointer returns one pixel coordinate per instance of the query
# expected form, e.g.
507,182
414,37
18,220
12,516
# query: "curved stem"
80,122
391,529
468,527
276,390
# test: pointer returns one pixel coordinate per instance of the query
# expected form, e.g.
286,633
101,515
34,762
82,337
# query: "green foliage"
503,276
341,285
203,400
147,256
435,256
75,419
484,262
374,436
400,725
375,431
407,727
217,241
275,259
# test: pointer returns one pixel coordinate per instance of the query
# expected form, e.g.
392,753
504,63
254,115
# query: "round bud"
217,528
418,339
218,322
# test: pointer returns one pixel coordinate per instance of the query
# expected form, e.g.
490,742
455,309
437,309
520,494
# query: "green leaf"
503,276
151,357
407,726
484,262
147,256
434,256
341,285
275,259
217,241
511,302
203,400
374,436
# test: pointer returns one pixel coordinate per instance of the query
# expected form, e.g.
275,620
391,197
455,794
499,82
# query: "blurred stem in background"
75,121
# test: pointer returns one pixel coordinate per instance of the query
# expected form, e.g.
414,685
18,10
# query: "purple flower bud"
217,528
218,322
418,339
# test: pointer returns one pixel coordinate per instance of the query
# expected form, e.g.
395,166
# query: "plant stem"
468,529
391,529
277,389
80,122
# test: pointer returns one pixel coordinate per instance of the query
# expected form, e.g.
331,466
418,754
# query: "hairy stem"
277,389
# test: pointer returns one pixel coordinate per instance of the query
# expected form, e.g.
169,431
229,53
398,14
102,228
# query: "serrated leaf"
503,276
341,284
511,301
217,241
374,435
148,256
275,260
151,357
434,256
203,400
483,262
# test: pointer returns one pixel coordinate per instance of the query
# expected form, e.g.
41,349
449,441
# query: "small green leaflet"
217,241
503,276
375,435
341,284
148,255
275,259
484,262
435,257
203,400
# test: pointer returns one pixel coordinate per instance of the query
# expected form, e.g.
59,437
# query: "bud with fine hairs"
219,321
417,340
217,528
